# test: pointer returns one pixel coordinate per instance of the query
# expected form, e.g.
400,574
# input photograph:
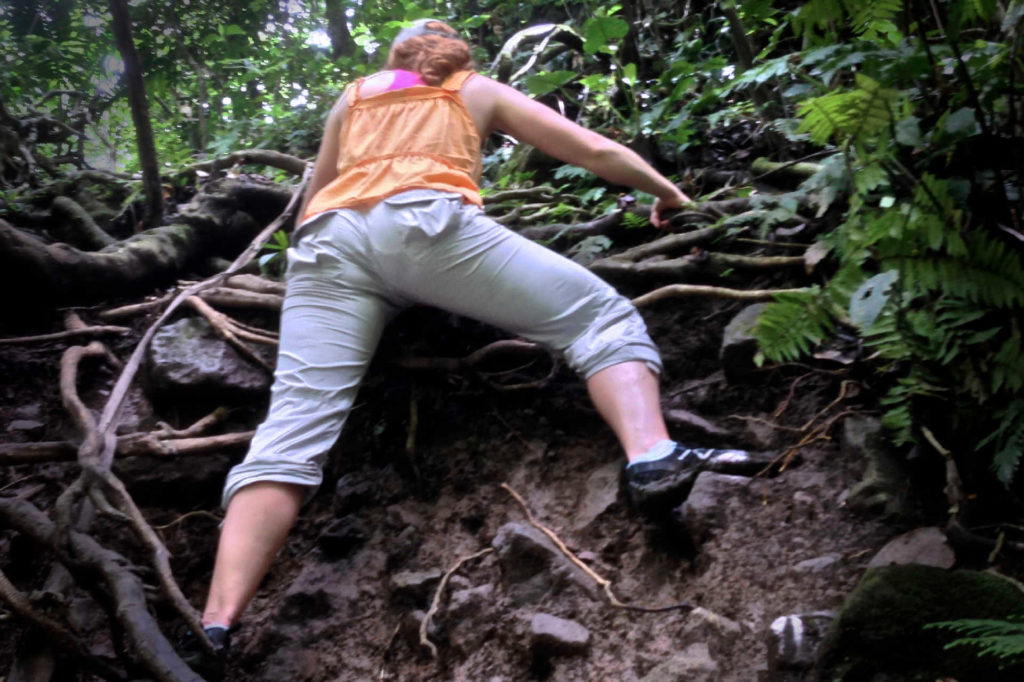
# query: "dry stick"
54,631
387,650
436,603
88,332
603,582
784,405
192,514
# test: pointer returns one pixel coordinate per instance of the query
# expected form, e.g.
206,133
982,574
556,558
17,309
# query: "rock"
692,664
693,425
817,564
29,411
704,511
371,488
474,600
805,505
470,618
415,587
882,491
550,635
342,537
319,590
532,567
411,623
27,425
702,624
600,492
880,631
927,546
739,345
760,435
793,641
170,481
187,358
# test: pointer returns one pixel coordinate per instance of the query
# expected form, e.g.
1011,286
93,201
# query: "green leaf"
629,74
962,122
908,132
600,32
543,83
869,299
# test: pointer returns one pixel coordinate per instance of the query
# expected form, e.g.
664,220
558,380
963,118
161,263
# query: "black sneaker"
662,484
192,652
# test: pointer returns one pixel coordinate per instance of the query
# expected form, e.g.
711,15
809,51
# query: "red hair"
434,57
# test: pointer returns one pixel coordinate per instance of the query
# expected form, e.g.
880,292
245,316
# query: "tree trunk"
140,108
342,44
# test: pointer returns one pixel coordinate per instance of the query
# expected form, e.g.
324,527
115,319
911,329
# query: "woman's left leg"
482,270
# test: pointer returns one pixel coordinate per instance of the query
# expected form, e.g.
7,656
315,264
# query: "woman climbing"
392,217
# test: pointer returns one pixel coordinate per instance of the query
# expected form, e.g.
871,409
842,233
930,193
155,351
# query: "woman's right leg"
256,524
331,320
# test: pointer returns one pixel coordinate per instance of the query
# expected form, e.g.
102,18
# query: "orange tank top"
420,137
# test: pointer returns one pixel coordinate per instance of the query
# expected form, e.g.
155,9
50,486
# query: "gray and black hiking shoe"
657,486
209,668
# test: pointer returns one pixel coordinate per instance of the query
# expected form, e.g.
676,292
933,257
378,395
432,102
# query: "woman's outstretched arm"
532,122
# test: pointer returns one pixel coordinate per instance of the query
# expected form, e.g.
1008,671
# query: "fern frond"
817,14
857,114
793,325
1009,440
990,275
1000,638
873,15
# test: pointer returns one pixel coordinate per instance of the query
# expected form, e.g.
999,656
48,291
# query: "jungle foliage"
915,107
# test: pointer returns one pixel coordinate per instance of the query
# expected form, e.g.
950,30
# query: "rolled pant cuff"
263,471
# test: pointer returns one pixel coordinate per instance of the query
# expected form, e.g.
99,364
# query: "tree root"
688,290
128,445
263,157
438,594
477,357
98,330
55,632
688,266
234,332
605,584
94,563
98,485
84,230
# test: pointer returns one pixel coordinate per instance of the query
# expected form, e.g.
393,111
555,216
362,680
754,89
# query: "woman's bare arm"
552,133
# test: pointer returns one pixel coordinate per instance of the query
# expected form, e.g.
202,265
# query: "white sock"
660,450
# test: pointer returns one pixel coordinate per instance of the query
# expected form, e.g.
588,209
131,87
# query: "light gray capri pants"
349,273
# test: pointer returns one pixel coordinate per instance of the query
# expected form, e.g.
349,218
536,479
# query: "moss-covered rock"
880,632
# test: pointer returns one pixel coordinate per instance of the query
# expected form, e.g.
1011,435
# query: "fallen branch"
436,603
605,584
